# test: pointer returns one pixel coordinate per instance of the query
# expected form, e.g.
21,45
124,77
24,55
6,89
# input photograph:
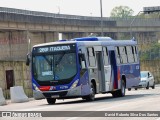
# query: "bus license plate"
55,96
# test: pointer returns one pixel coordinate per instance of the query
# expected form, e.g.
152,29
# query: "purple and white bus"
83,67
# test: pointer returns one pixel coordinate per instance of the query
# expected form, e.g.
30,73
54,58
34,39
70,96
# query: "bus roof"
93,39
89,41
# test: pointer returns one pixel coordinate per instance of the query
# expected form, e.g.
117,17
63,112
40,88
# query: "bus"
84,67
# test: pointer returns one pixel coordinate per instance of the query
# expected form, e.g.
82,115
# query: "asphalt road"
134,103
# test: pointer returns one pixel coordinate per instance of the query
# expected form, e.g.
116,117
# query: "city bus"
84,67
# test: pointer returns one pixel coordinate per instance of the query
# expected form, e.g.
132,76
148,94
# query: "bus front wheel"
51,101
90,97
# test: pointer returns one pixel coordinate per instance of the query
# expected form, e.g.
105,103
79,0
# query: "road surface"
104,106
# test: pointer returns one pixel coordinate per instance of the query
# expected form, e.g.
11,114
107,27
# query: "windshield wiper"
48,61
60,59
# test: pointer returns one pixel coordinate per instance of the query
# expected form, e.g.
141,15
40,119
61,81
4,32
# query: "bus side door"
107,69
104,69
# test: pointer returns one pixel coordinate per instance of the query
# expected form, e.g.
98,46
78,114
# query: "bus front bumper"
74,92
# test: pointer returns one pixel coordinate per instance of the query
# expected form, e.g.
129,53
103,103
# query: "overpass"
17,26
34,21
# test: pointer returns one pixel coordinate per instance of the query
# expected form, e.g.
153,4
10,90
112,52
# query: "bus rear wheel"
121,92
51,101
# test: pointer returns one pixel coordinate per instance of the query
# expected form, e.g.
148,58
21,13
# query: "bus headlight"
74,84
35,87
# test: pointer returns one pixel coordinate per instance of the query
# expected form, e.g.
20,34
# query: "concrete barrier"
18,95
2,99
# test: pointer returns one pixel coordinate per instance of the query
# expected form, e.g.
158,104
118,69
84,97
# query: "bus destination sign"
57,48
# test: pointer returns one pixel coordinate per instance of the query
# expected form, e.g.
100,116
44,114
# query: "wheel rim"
123,88
93,93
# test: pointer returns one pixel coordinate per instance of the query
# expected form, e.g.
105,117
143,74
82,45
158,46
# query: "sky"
78,7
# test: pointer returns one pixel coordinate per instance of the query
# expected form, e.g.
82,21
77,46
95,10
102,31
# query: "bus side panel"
84,82
132,74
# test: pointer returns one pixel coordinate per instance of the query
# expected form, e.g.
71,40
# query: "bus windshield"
53,67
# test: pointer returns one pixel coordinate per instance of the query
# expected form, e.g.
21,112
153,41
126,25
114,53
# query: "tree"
121,12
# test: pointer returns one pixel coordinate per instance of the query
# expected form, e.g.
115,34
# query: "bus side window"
118,55
105,54
91,57
130,54
126,54
135,53
123,54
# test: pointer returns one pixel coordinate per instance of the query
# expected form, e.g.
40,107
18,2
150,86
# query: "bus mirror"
28,59
83,64
82,57
82,60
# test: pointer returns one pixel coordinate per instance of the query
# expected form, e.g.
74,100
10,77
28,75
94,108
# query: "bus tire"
91,97
51,101
115,94
122,91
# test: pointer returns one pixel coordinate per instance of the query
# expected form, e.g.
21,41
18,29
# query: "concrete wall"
21,76
14,45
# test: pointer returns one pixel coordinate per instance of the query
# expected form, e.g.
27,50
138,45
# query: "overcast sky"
78,7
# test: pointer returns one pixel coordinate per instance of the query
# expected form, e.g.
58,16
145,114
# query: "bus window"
130,54
105,53
91,57
135,54
123,54
118,55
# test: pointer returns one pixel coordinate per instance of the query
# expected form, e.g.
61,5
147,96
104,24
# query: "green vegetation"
121,12
152,53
